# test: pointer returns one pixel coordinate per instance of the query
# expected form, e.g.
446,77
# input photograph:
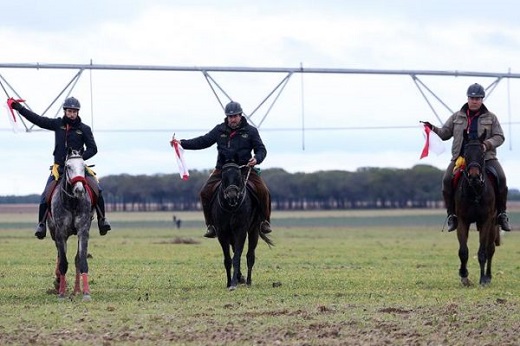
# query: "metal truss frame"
271,98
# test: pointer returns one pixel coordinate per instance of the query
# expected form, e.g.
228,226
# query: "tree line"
418,187
365,188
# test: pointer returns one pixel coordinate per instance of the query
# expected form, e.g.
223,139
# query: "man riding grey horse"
69,132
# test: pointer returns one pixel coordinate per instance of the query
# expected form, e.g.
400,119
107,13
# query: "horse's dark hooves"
466,282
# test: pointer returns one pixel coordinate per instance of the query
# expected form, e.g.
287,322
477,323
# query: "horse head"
474,157
75,172
233,184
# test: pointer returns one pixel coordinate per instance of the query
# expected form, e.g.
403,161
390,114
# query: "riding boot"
41,229
450,208
103,224
502,218
265,227
206,195
211,232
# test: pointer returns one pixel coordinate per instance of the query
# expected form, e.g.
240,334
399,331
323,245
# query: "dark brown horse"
237,217
475,203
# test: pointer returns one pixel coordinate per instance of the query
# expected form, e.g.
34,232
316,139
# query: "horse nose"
79,189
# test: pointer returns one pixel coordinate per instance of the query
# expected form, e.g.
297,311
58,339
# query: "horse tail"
266,238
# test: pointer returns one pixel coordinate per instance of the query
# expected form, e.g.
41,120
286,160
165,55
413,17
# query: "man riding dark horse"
475,119
69,133
235,138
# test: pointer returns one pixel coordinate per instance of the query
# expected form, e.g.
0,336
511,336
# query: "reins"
73,181
476,189
241,192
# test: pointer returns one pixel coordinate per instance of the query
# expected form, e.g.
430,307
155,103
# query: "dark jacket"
232,144
67,134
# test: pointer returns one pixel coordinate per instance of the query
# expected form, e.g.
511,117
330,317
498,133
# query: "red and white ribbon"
433,143
179,156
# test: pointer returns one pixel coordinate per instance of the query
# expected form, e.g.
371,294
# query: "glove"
15,104
427,124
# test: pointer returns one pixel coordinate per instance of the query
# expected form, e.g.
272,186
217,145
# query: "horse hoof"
485,281
465,282
87,298
232,288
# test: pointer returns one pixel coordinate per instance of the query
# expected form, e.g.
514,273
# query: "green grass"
394,281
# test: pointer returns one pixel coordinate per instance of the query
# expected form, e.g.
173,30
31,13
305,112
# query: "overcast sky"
319,121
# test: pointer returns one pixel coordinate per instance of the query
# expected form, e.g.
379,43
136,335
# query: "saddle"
250,187
92,184
458,170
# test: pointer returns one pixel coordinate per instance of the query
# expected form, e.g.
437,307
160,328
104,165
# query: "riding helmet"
71,103
476,90
233,108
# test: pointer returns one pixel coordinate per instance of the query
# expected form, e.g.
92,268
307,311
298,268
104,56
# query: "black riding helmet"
233,108
476,90
71,103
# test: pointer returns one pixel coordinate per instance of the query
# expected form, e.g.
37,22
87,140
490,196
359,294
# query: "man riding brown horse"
235,138
475,119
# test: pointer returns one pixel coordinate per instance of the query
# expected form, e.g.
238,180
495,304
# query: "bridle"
234,189
72,181
476,181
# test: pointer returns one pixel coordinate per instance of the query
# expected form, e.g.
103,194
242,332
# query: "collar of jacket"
68,121
242,124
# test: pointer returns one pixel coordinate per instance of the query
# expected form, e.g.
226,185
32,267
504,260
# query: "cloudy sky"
318,122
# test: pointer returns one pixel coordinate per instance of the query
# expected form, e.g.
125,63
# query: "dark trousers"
261,190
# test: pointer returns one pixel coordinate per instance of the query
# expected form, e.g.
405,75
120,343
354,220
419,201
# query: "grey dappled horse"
71,212
475,203
236,216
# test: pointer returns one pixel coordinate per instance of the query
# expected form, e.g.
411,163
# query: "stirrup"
452,222
503,221
211,232
41,230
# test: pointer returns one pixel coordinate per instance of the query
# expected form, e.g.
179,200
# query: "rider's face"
72,114
474,103
234,120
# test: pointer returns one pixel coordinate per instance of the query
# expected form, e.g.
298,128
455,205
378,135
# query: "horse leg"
82,263
57,274
63,265
462,235
250,256
227,260
485,253
239,247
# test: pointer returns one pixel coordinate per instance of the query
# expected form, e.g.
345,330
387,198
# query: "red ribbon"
10,106
426,148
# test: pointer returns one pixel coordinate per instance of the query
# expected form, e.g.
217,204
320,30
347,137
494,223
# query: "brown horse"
475,203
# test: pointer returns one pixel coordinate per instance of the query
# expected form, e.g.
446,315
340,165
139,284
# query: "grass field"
333,278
